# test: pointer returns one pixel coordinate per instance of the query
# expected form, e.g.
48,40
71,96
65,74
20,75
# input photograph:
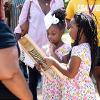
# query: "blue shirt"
7,38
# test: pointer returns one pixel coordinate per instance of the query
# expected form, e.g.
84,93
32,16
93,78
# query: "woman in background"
12,83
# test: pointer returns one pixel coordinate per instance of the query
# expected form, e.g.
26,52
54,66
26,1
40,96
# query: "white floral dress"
52,90
81,86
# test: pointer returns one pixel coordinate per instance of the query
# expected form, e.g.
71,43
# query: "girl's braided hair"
87,25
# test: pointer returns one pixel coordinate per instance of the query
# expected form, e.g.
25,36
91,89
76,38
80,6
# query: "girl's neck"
83,40
59,44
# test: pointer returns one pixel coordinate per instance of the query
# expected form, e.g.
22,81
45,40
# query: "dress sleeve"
67,48
7,38
77,51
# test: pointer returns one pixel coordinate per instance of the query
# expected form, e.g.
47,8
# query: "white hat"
49,20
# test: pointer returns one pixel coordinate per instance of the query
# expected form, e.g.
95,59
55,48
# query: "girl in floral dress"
78,84
55,25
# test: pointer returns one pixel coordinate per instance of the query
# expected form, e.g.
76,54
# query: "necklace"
91,9
46,4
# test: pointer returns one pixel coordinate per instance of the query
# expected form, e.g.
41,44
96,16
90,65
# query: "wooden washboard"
36,54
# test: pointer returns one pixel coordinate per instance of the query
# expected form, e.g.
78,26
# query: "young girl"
78,84
55,25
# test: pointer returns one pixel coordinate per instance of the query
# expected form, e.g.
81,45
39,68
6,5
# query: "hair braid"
89,28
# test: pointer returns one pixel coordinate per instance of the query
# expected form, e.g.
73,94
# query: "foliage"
66,2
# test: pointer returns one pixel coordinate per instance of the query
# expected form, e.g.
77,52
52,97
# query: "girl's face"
54,34
73,29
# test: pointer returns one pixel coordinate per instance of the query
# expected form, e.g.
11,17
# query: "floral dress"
81,86
52,90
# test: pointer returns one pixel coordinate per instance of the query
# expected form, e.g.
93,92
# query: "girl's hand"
38,66
50,61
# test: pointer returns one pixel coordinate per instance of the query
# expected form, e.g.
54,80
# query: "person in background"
55,25
90,7
15,10
78,84
37,30
12,12
12,83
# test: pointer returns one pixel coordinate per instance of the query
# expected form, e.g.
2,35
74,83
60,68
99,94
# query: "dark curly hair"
86,24
60,14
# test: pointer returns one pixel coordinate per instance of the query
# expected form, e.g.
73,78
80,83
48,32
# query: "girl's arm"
65,59
73,66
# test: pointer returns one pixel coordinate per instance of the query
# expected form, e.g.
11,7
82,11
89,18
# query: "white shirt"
37,30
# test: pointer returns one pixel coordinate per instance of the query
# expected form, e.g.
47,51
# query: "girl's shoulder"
64,49
66,46
80,50
81,46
